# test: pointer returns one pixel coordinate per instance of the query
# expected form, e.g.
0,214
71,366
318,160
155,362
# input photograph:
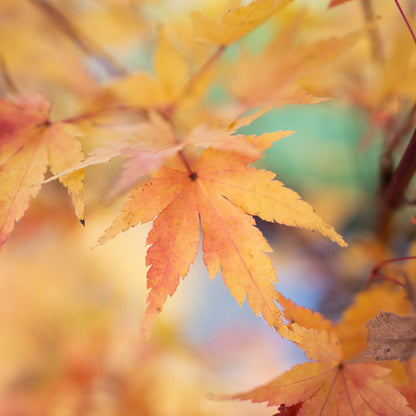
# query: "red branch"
393,195
79,39
405,19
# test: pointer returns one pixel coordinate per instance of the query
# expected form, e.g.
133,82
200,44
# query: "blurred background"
70,311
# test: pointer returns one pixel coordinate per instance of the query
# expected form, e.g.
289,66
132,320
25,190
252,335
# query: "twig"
405,19
82,41
403,131
382,276
410,290
375,271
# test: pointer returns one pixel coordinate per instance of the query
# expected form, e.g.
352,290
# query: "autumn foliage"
175,144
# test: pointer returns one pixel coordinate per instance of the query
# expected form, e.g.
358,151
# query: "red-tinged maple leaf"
29,142
329,386
219,194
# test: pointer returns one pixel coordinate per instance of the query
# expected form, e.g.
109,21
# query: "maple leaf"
235,24
282,65
162,90
302,316
329,386
334,3
29,142
391,337
381,90
219,195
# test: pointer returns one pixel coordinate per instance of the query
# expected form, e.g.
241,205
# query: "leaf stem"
187,89
79,39
185,162
405,20
201,72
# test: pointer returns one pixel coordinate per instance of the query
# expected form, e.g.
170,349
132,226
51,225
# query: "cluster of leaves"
187,169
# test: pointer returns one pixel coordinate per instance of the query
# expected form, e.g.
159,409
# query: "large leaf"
219,194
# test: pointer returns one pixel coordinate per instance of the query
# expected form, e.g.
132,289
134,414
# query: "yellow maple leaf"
283,65
161,90
235,24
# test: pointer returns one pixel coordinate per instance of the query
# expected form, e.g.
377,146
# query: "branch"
79,39
393,195
401,178
405,20
403,131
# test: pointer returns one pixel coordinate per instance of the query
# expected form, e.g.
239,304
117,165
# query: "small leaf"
391,337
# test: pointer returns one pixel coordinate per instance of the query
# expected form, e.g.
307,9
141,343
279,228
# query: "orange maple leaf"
329,386
218,194
29,142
